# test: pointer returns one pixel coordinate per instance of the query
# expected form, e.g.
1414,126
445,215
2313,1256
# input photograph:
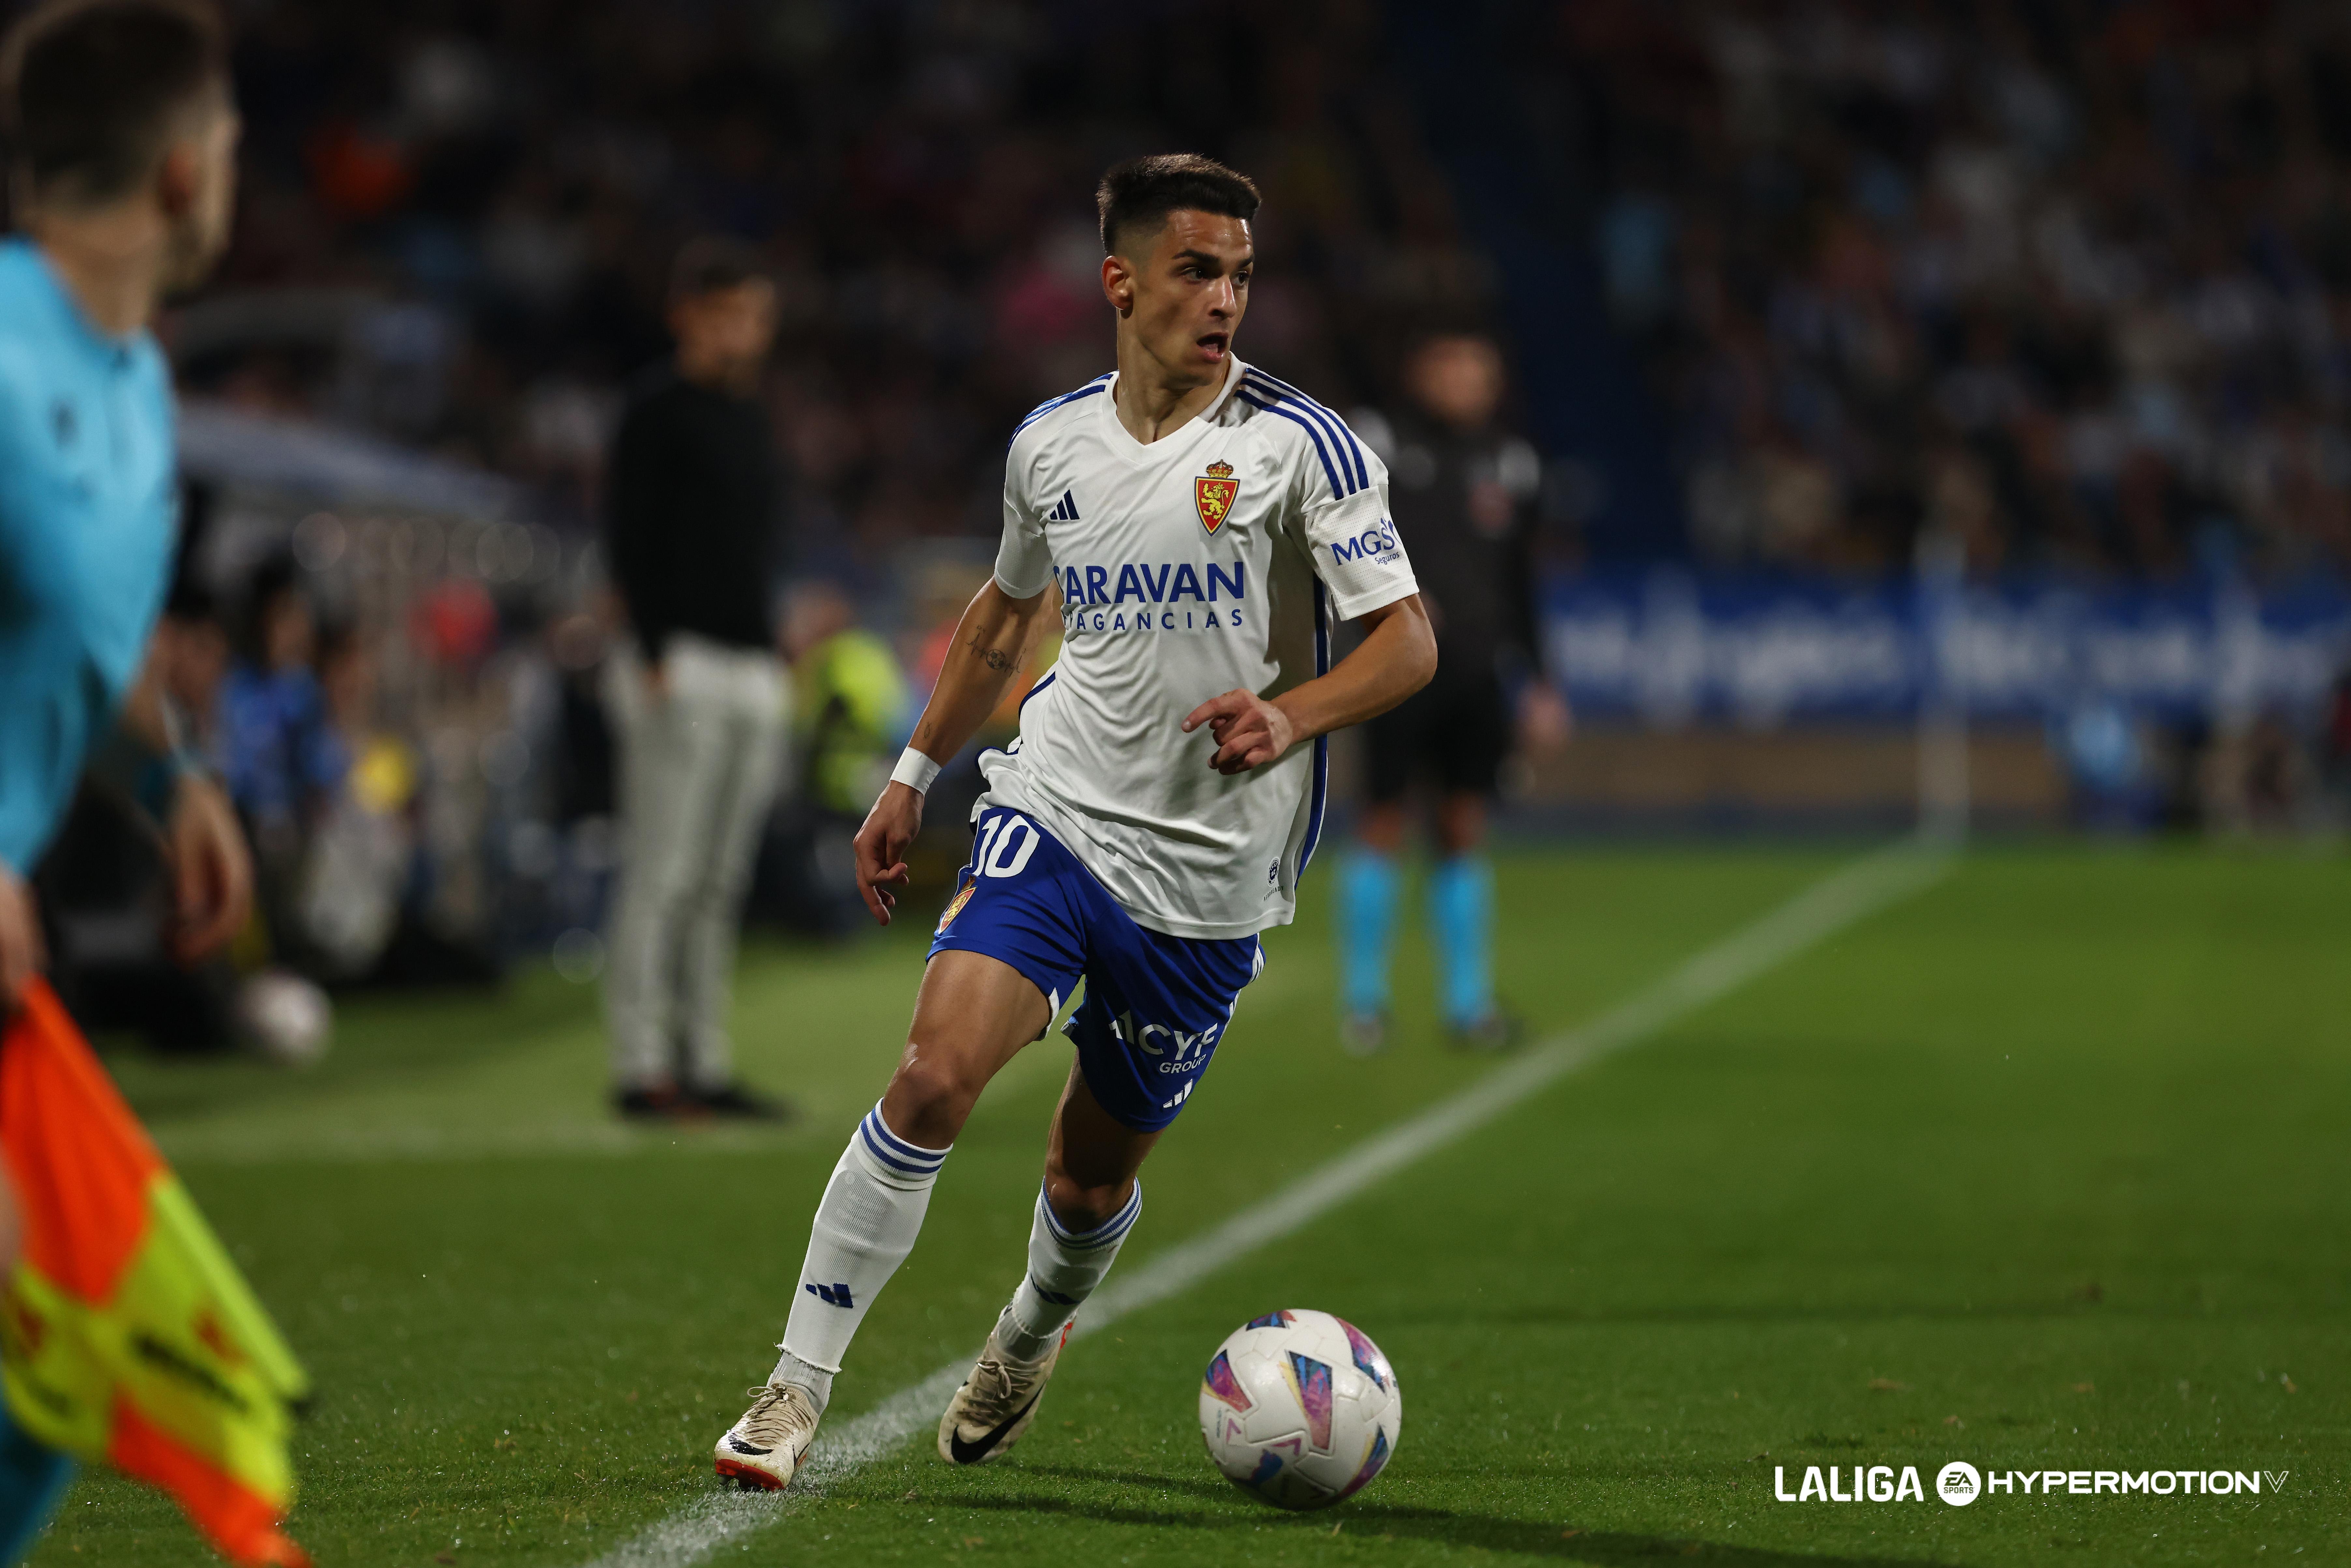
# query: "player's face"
199,192
1183,299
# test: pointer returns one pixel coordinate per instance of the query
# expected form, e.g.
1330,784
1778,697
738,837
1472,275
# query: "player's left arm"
1396,657
1338,516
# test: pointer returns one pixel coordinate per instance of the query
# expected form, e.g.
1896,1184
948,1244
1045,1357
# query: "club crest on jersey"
955,907
1213,496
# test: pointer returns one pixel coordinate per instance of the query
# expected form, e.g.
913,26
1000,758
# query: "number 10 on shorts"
1006,843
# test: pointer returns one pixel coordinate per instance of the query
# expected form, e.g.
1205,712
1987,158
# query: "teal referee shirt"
88,508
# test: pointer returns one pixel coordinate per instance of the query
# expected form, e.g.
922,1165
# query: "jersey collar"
1232,385
1135,451
22,252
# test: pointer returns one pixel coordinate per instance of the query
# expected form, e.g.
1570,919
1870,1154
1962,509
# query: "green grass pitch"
2044,1169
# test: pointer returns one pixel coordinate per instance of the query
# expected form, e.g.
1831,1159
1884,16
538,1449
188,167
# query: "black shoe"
1497,1031
659,1104
1365,1033
743,1105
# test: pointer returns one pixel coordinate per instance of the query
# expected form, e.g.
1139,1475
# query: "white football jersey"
1212,558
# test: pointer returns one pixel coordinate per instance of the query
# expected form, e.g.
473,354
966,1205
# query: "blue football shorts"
1155,1005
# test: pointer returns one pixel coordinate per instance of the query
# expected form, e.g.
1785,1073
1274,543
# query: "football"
1301,1408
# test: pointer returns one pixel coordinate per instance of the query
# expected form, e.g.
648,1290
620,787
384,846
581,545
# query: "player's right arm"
999,631
991,642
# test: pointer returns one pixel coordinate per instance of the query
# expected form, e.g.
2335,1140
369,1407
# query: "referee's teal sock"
1367,900
1461,927
32,1480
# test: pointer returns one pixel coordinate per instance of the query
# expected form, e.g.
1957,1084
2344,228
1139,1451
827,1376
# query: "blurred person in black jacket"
697,696
1463,486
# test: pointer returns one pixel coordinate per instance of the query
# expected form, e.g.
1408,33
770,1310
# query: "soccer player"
1464,485
1204,523
124,137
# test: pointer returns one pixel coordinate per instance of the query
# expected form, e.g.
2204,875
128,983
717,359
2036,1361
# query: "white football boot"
761,1451
996,1403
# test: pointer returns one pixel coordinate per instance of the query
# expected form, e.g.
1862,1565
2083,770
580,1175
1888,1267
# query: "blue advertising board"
1667,647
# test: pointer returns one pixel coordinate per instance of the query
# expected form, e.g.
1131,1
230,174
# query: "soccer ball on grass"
1301,1408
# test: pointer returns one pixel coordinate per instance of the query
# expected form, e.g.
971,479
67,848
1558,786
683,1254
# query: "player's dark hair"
1141,192
93,91
714,264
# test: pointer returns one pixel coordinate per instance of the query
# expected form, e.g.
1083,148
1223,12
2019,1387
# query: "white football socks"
1065,1266
871,1212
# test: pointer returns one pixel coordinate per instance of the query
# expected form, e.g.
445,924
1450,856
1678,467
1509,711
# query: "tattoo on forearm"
996,659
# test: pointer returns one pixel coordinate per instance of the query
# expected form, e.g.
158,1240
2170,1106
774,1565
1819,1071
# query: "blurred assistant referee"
122,139
697,696
1462,487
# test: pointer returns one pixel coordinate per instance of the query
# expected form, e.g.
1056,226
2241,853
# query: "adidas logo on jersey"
1065,510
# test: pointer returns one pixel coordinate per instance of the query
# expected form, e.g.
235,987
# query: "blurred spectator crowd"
2069,278
458,220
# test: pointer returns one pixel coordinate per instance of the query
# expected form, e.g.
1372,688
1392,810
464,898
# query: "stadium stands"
480,210
2071,281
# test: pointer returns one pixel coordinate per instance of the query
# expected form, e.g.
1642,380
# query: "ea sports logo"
1959,1483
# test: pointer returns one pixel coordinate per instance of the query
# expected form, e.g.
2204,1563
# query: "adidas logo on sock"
830,1295
1065,510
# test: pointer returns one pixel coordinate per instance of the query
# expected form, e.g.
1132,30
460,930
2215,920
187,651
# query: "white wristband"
914,771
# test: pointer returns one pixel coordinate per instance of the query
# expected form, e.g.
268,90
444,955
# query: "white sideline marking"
1858,890
324,1143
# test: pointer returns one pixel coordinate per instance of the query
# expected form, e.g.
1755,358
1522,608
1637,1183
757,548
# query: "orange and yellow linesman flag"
127,1334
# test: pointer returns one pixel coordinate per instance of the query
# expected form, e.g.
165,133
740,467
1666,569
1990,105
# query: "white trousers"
699,767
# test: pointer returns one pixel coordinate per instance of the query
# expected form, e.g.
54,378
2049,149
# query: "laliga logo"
1959,1483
